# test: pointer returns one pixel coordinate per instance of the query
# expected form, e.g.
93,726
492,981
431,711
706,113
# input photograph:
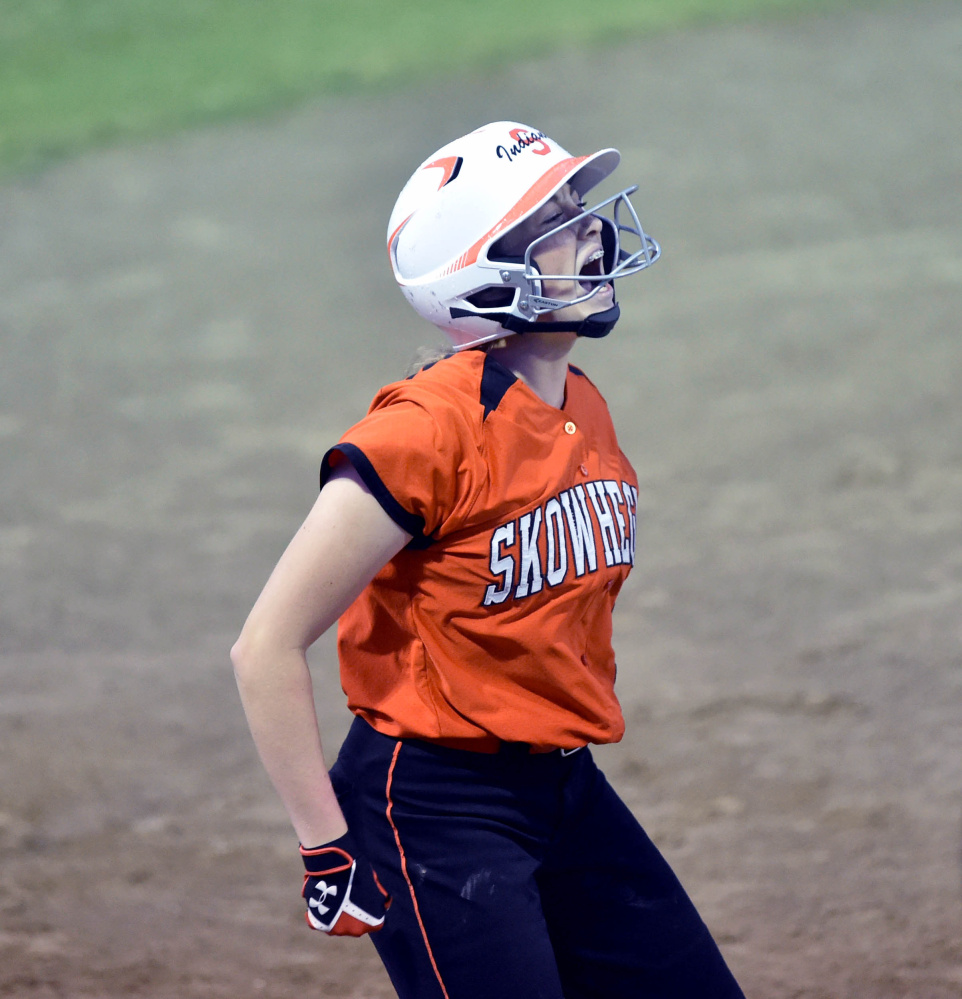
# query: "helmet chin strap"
596,326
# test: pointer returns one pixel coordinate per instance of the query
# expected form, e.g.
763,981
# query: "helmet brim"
592,171
581,172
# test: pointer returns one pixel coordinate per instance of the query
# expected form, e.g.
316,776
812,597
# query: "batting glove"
344,896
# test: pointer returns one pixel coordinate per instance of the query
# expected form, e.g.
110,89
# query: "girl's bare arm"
345,540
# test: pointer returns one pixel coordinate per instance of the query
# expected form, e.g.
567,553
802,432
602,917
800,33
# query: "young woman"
471,535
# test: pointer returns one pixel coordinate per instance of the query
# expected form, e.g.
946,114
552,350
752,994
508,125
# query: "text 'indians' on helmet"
444,232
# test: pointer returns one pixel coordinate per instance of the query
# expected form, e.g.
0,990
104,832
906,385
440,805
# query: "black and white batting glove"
344,896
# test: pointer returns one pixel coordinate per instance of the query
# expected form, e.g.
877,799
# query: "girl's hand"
344,896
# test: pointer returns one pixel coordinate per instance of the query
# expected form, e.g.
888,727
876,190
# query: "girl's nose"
590,225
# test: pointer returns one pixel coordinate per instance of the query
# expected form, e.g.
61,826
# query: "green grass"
77,73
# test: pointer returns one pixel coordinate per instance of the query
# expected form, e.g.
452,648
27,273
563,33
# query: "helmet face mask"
451,219
616,262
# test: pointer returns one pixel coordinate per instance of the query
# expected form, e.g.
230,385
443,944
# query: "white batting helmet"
447,222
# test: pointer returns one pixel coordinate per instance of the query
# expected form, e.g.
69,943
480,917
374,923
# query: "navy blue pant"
518,876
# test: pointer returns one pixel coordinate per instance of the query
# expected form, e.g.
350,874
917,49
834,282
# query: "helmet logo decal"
522,140
451,165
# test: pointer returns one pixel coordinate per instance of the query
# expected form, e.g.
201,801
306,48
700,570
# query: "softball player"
471,535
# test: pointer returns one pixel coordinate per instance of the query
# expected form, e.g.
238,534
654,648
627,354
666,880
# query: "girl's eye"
553,218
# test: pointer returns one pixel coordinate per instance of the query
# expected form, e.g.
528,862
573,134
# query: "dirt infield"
186,327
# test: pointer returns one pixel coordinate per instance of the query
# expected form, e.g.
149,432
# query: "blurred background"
195,303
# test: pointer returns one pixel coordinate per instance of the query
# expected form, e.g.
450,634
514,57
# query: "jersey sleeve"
415,460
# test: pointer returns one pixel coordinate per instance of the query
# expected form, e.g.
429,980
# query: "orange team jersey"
494,623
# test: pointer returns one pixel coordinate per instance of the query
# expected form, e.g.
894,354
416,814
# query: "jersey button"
584,469
570,428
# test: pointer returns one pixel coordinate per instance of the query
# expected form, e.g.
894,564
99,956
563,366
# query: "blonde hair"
424,356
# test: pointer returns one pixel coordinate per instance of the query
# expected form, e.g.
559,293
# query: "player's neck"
540,360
